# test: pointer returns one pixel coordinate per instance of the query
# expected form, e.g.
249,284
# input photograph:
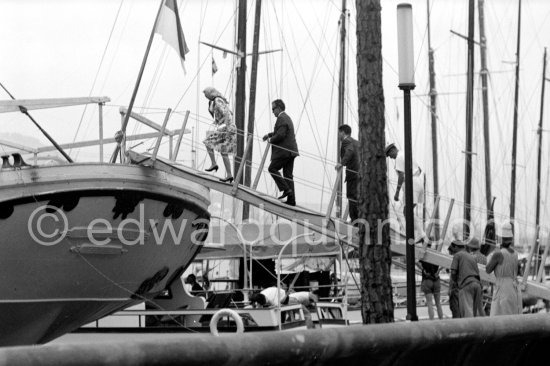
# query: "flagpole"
138,81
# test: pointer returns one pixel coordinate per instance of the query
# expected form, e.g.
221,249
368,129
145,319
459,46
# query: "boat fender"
226,312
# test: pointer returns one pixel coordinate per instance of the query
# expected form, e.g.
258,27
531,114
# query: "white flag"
169,27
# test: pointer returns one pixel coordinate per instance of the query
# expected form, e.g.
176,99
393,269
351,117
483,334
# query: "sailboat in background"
81,241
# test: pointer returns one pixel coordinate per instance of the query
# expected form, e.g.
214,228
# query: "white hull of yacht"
82,241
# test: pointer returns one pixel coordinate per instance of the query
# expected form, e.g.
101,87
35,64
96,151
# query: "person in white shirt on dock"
418,187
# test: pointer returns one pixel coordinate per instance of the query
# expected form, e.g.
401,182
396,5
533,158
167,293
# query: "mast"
469,113
485,96
240,94
433,112
539,160
539,131
252,102
138,81
515,128
341,101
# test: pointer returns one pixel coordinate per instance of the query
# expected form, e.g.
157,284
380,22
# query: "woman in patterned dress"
224,136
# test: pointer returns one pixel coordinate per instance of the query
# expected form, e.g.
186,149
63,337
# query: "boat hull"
82,241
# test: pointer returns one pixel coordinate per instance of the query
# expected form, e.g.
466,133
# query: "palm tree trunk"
375,254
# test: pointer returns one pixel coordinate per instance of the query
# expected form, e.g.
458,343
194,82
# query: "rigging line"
537,31
308,89
334,80
98,69
204,61
153,82
196,132
505,148
132,293
328,134
269,184
128,84
152,86
300,92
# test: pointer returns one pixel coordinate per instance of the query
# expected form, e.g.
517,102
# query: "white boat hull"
82,241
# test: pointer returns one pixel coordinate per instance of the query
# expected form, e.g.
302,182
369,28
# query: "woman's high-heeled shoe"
212,168
228,179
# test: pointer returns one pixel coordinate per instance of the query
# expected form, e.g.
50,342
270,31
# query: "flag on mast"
169,27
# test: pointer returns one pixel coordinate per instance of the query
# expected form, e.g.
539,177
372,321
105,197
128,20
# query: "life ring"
226,312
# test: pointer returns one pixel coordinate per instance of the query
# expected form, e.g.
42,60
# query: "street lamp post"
406,83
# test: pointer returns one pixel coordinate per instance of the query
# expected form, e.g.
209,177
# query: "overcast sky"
58,48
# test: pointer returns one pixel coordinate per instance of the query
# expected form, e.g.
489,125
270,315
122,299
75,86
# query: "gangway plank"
316,221
333,228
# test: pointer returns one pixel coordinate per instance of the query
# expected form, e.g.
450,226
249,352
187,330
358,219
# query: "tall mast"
433,113
240,94
485,96
539,131
341,94
515,130
252,101
469,113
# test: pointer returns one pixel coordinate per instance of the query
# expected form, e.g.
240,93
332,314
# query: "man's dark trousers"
351,194
286,181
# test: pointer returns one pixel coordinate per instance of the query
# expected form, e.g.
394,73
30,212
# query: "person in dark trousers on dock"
453,289
473,247
349,157
283,152
465,276
431,287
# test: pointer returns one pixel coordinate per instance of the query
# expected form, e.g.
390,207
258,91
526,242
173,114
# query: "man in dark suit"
349,157
283,152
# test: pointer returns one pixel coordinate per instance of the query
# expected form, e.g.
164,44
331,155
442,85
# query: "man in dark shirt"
283,152
473,247
465,276
349,157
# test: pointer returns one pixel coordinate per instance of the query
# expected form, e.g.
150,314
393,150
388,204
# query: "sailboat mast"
240,93
138,81
433,113
485,97
252,102
539,131
515,128
341,95
469,113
